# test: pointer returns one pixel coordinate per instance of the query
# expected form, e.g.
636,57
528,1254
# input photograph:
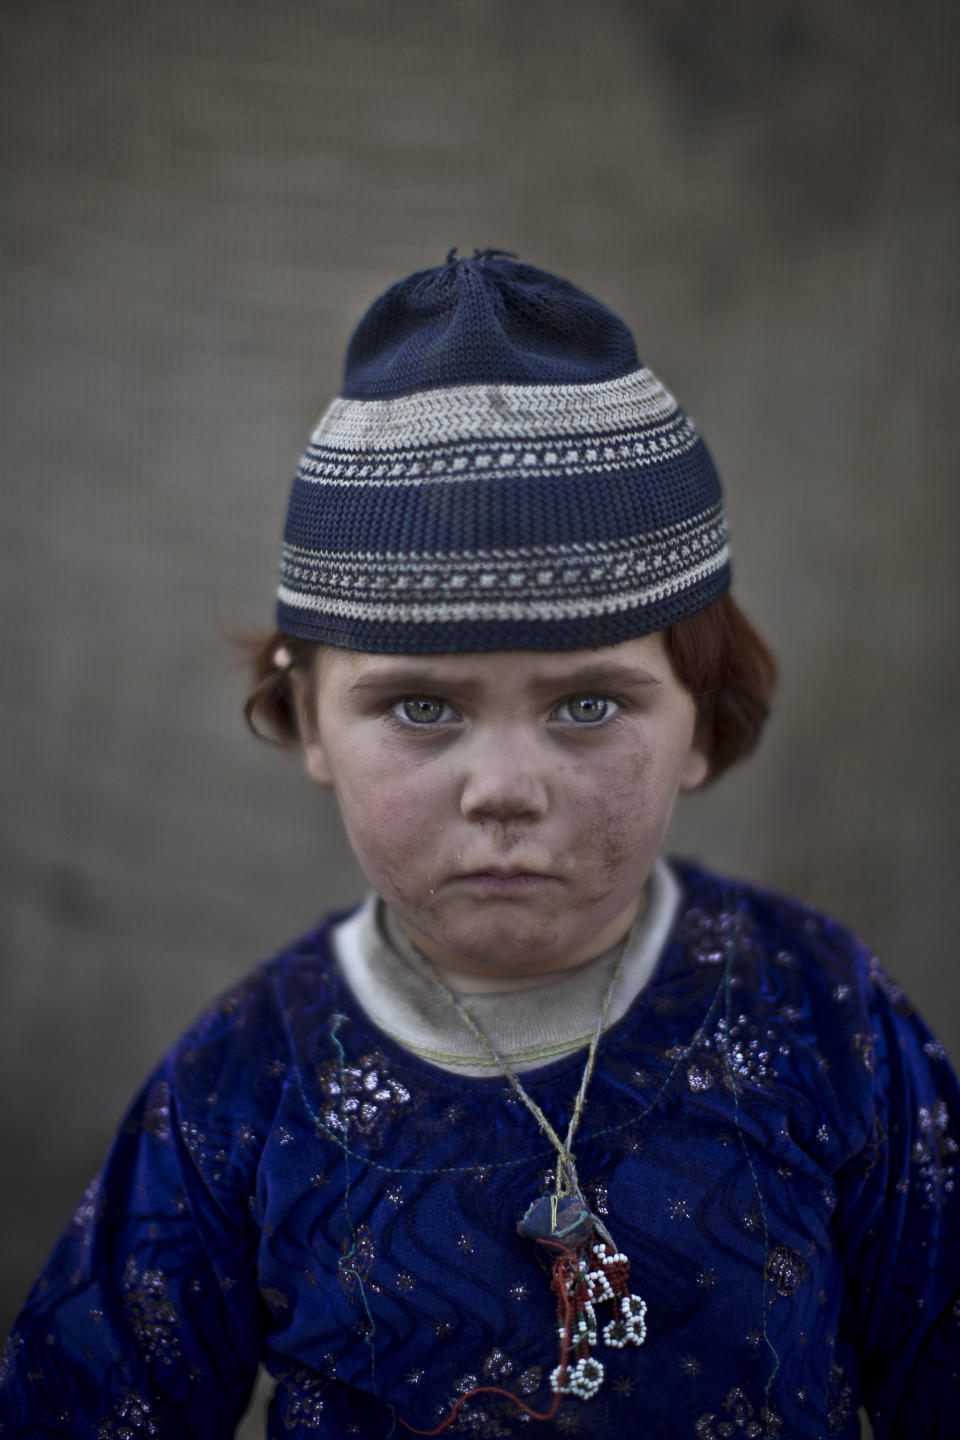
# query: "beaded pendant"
588,1271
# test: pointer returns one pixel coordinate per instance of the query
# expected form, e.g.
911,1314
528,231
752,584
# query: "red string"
560,1288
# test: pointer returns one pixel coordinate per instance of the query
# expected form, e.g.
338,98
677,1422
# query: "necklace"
588,1269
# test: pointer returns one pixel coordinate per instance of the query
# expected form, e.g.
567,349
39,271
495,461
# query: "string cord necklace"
588,1268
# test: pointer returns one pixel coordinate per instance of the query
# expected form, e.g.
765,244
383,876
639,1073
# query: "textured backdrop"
200,200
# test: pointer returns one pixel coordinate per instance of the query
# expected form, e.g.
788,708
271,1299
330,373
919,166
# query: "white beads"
615,1333
583,1379
598,1287
630,1325
581,1281
585,1329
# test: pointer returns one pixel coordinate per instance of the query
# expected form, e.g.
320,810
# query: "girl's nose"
505,780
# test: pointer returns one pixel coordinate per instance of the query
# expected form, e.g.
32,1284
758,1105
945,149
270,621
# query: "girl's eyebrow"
589,676
409,680
597,676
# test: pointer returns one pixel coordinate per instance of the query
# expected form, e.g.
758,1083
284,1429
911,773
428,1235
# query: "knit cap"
499,472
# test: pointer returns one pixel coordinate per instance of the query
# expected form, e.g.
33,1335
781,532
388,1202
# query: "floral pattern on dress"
359,1098
132,1418
738,1419
151,1316
934,1154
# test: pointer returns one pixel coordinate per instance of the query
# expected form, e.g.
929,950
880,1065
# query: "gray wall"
202,197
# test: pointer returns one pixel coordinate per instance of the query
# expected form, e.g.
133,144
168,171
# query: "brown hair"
272,700
716,654
731,673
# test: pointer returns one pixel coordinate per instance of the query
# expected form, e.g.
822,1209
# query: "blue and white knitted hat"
499,472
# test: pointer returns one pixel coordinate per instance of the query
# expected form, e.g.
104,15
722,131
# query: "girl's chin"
507,951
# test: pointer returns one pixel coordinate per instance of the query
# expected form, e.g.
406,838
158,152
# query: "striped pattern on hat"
499,472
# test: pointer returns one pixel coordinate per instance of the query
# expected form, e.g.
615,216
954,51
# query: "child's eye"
586,709
423,709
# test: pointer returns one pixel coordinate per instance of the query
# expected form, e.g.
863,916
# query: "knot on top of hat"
479,256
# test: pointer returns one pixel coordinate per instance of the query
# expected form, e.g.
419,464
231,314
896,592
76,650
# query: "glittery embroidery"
360,1097
894,994
132,1417
302,1396
11,1345
746,1045
89,1210
531,1380
863,1047
934,1154
196,1142
276,1300
786,1270
840,1401
598,1198
569,1423
699,1079
739,1418
707,933
497,1368
153,1319
488,1420
156,1114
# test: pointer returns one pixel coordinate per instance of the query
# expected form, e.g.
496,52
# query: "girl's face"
507,806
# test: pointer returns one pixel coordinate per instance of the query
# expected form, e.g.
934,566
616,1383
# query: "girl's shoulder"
253,1037
723,916
798,970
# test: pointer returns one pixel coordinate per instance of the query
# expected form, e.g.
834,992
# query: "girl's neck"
497,981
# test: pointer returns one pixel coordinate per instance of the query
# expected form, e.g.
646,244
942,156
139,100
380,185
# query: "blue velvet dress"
770,1137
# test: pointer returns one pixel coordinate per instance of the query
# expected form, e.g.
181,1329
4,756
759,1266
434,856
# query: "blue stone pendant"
561,1218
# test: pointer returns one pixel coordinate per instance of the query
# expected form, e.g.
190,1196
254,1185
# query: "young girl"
551,1135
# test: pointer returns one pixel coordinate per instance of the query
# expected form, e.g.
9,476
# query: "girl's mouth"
504,883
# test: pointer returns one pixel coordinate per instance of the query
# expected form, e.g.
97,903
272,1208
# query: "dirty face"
508,806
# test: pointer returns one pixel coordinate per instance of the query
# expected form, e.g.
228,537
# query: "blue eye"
422,709
587,709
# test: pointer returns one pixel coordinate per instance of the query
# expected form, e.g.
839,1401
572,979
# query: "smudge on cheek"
623,817
613,837
619,816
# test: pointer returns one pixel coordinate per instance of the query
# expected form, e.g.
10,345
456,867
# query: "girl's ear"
314,754
696,768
